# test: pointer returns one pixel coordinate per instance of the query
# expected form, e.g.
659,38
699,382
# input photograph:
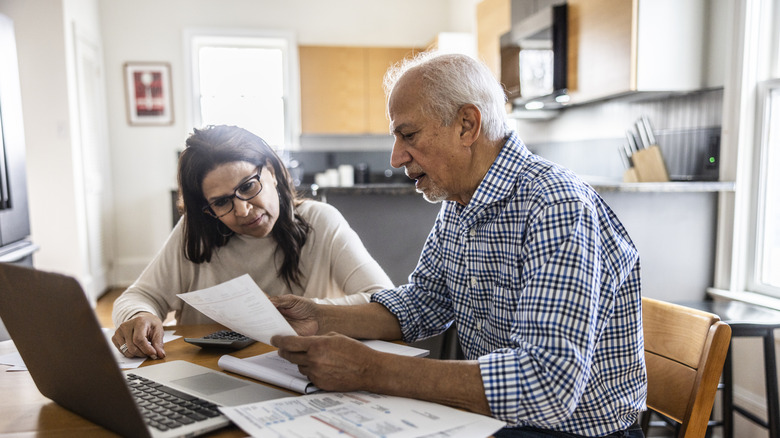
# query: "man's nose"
399,156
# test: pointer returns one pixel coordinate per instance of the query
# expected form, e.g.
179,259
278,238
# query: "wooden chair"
684,350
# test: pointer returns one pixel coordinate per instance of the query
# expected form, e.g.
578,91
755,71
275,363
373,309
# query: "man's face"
430,152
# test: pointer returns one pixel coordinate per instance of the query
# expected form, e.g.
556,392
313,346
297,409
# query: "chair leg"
644,421
727,410
770,376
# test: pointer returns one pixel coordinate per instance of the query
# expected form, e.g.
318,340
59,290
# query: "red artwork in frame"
148,92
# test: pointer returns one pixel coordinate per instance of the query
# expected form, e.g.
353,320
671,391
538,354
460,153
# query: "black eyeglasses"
245,191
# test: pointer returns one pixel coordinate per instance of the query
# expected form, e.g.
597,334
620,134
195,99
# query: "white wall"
144,158
43,36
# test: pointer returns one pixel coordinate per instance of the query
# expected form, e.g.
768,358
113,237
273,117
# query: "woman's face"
255,217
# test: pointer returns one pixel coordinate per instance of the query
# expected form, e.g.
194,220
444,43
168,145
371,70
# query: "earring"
223,226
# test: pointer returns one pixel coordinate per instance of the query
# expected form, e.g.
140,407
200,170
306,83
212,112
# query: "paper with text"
240,305
358,414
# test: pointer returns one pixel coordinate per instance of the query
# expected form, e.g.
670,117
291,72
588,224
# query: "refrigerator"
15,244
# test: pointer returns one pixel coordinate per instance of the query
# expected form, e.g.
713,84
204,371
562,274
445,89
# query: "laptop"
60,340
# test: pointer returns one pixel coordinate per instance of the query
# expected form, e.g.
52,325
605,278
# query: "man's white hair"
451,81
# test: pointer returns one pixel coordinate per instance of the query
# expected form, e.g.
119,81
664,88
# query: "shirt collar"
501,179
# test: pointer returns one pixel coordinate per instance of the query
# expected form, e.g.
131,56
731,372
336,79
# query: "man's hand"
332,362
140,336
300,312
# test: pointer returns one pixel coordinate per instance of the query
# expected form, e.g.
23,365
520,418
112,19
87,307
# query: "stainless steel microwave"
534,57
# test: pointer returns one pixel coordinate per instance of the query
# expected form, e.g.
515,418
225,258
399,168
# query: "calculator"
222,339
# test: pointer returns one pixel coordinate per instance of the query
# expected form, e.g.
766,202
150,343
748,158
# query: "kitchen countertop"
601,186
672,186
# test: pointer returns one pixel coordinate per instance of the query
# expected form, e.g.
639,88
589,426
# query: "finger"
147,349
157,343
300,359
290,343
117,339
283,302
141,345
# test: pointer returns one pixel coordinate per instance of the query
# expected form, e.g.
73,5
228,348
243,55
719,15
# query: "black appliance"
15,245
534,58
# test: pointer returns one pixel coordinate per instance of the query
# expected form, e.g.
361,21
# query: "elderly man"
540,276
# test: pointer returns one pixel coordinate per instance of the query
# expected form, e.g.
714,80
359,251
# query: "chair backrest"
685,350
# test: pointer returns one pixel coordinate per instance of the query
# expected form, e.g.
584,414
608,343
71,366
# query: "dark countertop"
408,188
392,189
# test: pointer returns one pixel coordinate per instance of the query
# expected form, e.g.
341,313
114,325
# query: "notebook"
59,338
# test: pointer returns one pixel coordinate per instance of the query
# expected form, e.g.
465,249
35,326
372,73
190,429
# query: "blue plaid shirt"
543,284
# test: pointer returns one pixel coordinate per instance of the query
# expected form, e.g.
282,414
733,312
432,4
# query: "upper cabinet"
622,46
494,18
341,88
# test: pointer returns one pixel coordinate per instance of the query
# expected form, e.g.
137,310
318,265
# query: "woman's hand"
140,336
300,312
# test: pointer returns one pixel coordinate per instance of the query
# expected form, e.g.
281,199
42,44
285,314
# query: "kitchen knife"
640,129
649,131
624,157
632,145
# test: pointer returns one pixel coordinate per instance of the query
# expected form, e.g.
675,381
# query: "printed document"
240,305
360,415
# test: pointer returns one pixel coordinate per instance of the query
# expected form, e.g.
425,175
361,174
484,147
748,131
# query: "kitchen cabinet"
341,88
494,18
622,46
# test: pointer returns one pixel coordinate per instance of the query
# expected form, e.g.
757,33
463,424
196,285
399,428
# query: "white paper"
357,414
240,305
392,347
270,367
17,364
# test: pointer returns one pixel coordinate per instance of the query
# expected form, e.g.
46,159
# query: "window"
766,268
247,80
748,263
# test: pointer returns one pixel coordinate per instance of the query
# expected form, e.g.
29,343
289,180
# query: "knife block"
648,166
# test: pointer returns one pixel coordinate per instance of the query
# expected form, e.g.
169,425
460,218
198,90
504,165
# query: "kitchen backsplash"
585,139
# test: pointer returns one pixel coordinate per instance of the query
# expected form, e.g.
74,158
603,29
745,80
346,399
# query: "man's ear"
470,123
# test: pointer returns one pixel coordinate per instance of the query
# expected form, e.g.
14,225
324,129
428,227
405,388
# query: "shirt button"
473,281
472,232
479,326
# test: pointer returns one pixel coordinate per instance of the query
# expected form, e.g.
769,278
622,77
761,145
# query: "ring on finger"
123,348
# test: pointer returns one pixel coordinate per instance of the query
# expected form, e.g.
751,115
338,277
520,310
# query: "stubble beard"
433,193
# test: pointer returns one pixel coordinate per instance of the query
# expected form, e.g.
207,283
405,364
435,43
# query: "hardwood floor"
104,306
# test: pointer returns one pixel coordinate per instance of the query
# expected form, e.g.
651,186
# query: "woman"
242,215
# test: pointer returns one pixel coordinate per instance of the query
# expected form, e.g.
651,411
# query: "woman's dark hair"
210,147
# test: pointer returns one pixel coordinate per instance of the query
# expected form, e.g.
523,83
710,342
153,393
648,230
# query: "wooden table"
24,412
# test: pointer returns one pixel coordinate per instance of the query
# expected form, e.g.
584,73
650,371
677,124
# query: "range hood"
534,60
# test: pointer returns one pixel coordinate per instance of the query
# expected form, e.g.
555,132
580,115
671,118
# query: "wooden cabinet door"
494,18
602,55
333,89
379,59
342,90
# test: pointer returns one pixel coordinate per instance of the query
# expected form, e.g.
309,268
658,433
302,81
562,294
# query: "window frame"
754,257
753,62
285,40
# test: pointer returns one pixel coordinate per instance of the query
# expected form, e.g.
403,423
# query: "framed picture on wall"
148,90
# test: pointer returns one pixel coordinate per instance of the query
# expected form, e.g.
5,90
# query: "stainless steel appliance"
15,244
534,57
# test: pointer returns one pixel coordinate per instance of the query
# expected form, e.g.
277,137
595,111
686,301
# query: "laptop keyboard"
165,408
